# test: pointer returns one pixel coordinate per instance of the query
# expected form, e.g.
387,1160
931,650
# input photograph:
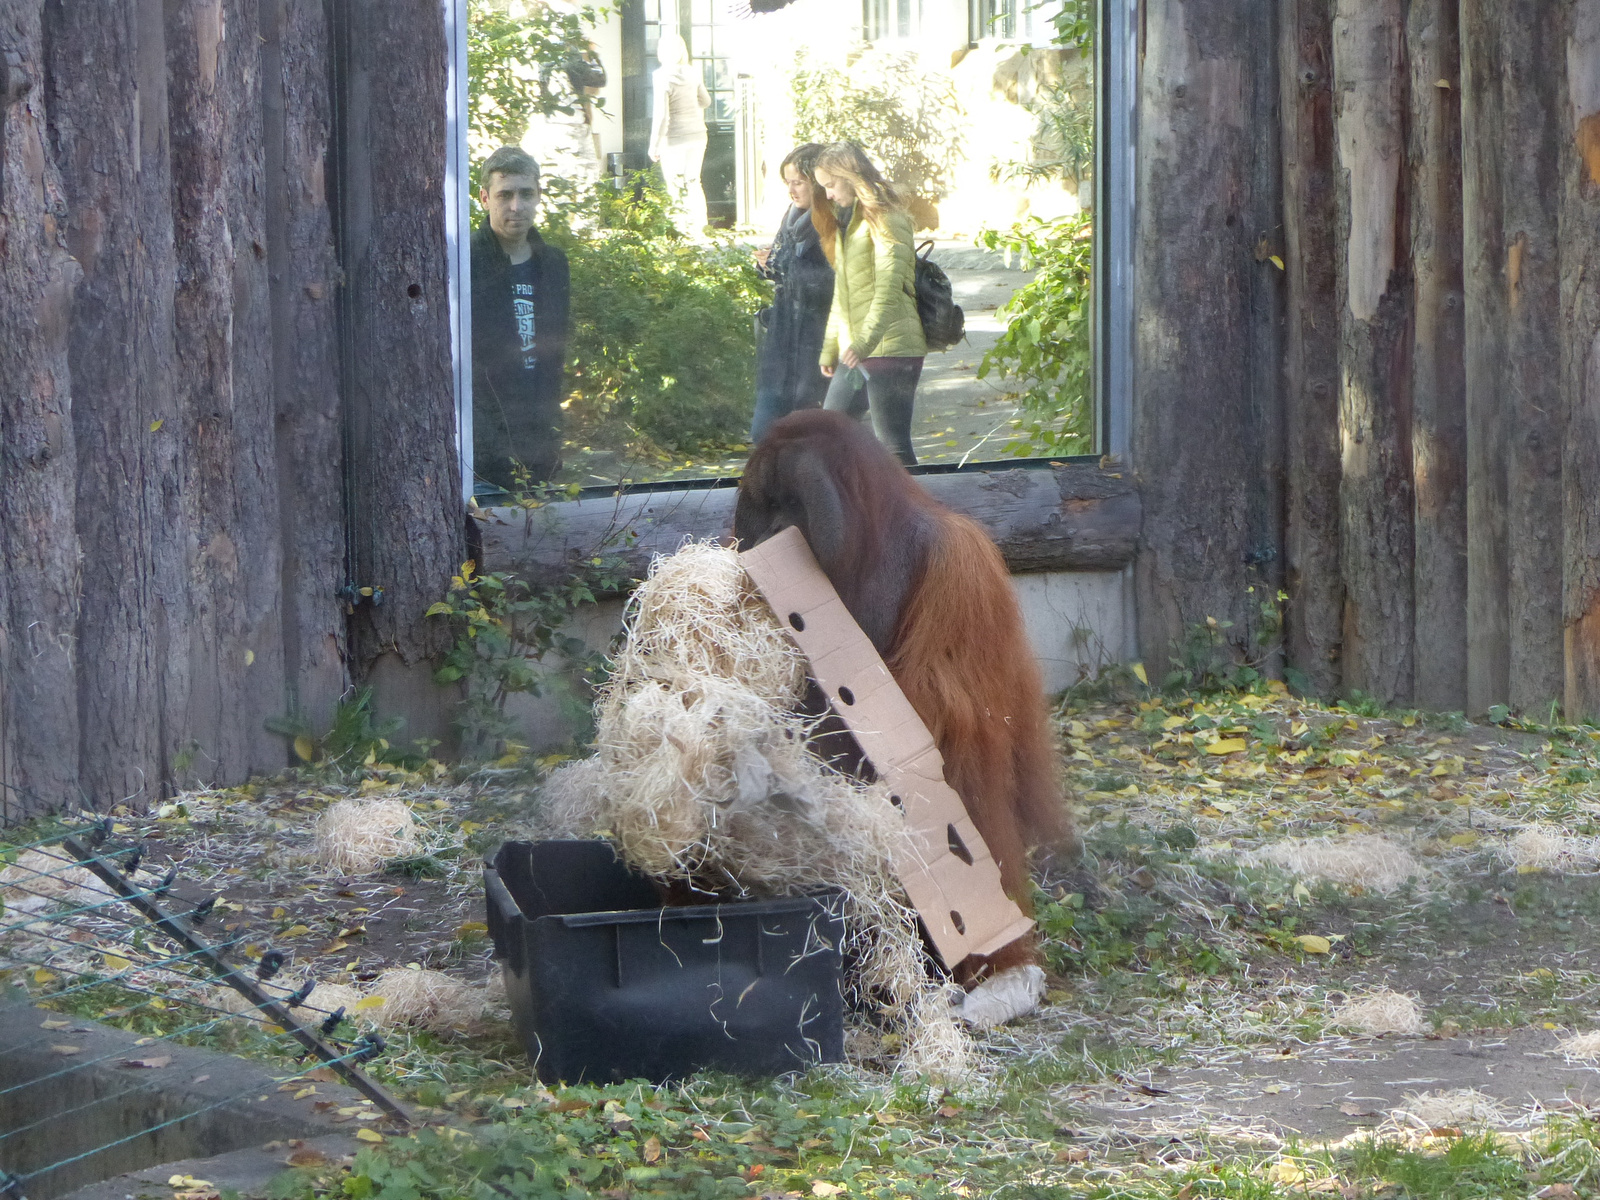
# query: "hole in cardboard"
415,291
847,695
957,846
955,919
798,622
896,801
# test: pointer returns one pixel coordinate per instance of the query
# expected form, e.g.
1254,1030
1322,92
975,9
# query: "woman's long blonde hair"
804,160
672,51
874,193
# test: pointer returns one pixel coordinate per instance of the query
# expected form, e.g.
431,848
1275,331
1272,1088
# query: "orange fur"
932,592
963,660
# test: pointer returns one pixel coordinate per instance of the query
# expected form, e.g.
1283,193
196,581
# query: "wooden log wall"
1434,390
177,379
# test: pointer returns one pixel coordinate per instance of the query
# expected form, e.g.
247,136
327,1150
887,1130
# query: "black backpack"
943,322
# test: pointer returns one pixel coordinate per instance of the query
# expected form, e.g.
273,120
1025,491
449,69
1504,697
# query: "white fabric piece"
1012,993
680,167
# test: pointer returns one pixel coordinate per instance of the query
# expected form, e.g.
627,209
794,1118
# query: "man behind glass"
521,292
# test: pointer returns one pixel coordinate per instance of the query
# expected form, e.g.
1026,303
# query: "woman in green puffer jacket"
874,345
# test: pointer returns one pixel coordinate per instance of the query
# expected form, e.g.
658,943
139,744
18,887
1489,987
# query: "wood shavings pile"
45,880
425,999
1541,847
1461,1108
1380,1012
356,837
1582,1045
702,774
1368,861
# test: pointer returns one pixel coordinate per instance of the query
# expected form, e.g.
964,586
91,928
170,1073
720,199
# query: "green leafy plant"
663,347
1075,25
505,628
512,62
906,117
355,740
1045,351
1206,659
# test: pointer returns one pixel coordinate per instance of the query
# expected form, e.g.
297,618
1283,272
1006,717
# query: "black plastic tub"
606,985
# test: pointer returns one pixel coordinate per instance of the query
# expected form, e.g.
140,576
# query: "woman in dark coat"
800,261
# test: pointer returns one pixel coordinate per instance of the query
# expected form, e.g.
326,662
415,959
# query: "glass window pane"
663,386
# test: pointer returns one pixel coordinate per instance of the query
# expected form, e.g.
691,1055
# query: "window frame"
1116,101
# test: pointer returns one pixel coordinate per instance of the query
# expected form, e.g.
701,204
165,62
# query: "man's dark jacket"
516,412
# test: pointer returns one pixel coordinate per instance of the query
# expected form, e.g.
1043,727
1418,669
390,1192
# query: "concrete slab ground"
81,1103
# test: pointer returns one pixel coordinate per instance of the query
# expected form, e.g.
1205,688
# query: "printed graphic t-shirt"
523,280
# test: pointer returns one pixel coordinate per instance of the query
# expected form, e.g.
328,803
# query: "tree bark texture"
1205,461
1376,290
1488,569
1531,98
304,266
106,103
223,388
38,461
1313,581
408,536
1441,361
1438,401
1579,131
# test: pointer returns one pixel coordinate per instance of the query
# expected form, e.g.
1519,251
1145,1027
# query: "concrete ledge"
247,1172
1061,517
77,1102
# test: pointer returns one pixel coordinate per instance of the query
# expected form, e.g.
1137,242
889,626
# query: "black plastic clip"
271,963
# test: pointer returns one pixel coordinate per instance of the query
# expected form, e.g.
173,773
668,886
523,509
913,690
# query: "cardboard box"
947,871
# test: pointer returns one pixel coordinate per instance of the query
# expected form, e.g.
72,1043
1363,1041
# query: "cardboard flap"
948,873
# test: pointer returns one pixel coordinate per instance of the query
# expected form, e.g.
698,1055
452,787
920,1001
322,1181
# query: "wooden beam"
1488,618
1314,615
1532,85
1206,429
1438,379
1370,87
1063,518
1580,368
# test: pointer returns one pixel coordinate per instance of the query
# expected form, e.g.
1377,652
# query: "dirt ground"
1256,867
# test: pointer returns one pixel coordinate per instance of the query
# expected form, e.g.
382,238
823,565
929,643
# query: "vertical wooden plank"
1197,444
38,458
1311,347
107,104
222,392
1532,84
1579,127
1488,569
255,658
304,273
1439,418
1376,288
408,520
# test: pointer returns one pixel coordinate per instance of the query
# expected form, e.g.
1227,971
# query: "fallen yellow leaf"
1226,746
367,1002
297,931
1313,944
651,1151
116,962
369,1135
305,748
823,1188
1138,671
